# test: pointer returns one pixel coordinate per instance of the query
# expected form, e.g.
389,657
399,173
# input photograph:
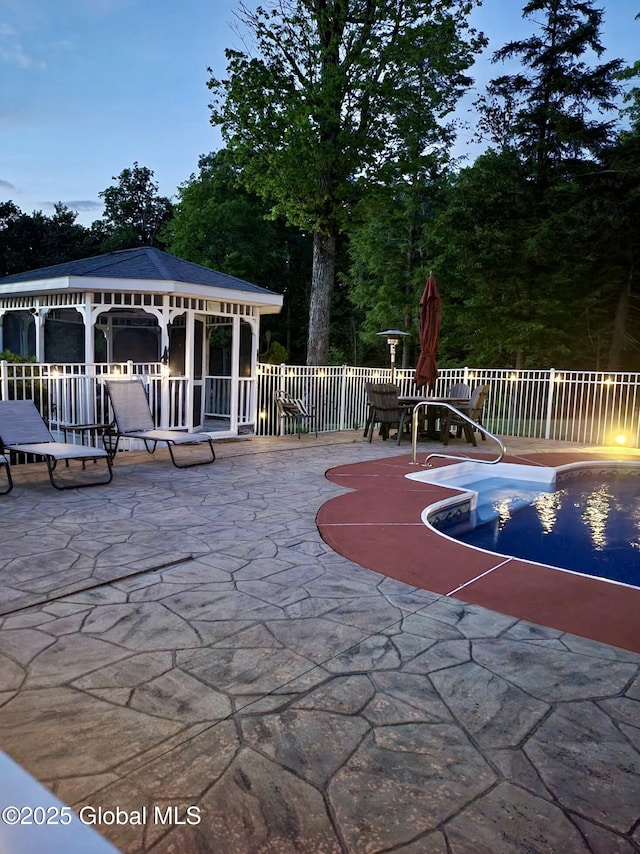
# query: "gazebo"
152,314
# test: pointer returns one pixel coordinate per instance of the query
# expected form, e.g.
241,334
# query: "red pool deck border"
378,525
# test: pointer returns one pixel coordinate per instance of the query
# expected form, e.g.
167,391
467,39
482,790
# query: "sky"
88,87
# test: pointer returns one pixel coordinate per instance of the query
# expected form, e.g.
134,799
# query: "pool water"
589,525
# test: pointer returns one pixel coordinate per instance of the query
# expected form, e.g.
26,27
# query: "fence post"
90,394
165,397
343,399
282,372
550,392
4,380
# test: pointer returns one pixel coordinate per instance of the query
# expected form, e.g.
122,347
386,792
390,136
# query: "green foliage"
8,356
526,243
335,92
28,242
134,213
545,110
508,275
276,354
390,260
221,225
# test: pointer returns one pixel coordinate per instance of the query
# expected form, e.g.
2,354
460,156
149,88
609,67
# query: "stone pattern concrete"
301,702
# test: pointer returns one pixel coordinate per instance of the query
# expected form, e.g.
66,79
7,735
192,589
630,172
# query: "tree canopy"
134,212
336,94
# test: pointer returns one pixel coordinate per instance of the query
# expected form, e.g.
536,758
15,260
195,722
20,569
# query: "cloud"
86,205
7,185
79,205
11,50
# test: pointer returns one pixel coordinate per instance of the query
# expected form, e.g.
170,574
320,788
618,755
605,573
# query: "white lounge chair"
133,420
22,431
4,463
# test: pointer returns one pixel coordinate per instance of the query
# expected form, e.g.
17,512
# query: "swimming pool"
584,518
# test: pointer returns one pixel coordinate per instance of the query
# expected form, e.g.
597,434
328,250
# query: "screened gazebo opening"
19,333
131,335
64,336
220,348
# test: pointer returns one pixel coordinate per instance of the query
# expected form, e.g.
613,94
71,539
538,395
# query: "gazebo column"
2,316
235,374
39,315
254,323
189,367
89,318
165,320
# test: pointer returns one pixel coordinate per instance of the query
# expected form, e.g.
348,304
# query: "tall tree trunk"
322,279
614,362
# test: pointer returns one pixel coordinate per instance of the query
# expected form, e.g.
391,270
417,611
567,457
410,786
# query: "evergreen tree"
518,240
545,112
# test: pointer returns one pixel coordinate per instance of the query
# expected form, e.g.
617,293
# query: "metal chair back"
130,405
22,424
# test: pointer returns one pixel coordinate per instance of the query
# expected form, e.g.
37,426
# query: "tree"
219,224
339,91
134,213
615,196
544,112
389,259
523,268
30,241
500,303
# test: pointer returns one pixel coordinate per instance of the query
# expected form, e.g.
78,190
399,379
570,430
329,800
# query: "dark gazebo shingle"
143,263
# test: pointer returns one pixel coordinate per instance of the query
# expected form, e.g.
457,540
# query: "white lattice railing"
580,406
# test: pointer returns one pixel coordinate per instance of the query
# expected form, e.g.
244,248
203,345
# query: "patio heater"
393,337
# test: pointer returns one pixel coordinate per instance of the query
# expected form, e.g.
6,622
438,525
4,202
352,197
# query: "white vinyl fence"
578,406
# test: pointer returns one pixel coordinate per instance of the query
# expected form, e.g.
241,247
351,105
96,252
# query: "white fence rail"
579,406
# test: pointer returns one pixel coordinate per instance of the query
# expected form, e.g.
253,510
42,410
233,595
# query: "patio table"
430,415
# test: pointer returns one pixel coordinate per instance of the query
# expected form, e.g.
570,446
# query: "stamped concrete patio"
186,638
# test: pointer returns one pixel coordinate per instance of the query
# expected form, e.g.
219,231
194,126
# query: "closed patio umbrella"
426,372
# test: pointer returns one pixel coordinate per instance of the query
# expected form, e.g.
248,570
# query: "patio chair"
473,411
4,463
295,410
384,409
23,431
458,391
132,419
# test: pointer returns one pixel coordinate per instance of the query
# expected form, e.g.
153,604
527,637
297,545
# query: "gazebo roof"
144,264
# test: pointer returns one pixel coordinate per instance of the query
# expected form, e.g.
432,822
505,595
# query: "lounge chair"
133,420
296,410
22,431
4,463
384,409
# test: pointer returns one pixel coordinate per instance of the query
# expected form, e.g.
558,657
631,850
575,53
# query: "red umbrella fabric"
426,372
